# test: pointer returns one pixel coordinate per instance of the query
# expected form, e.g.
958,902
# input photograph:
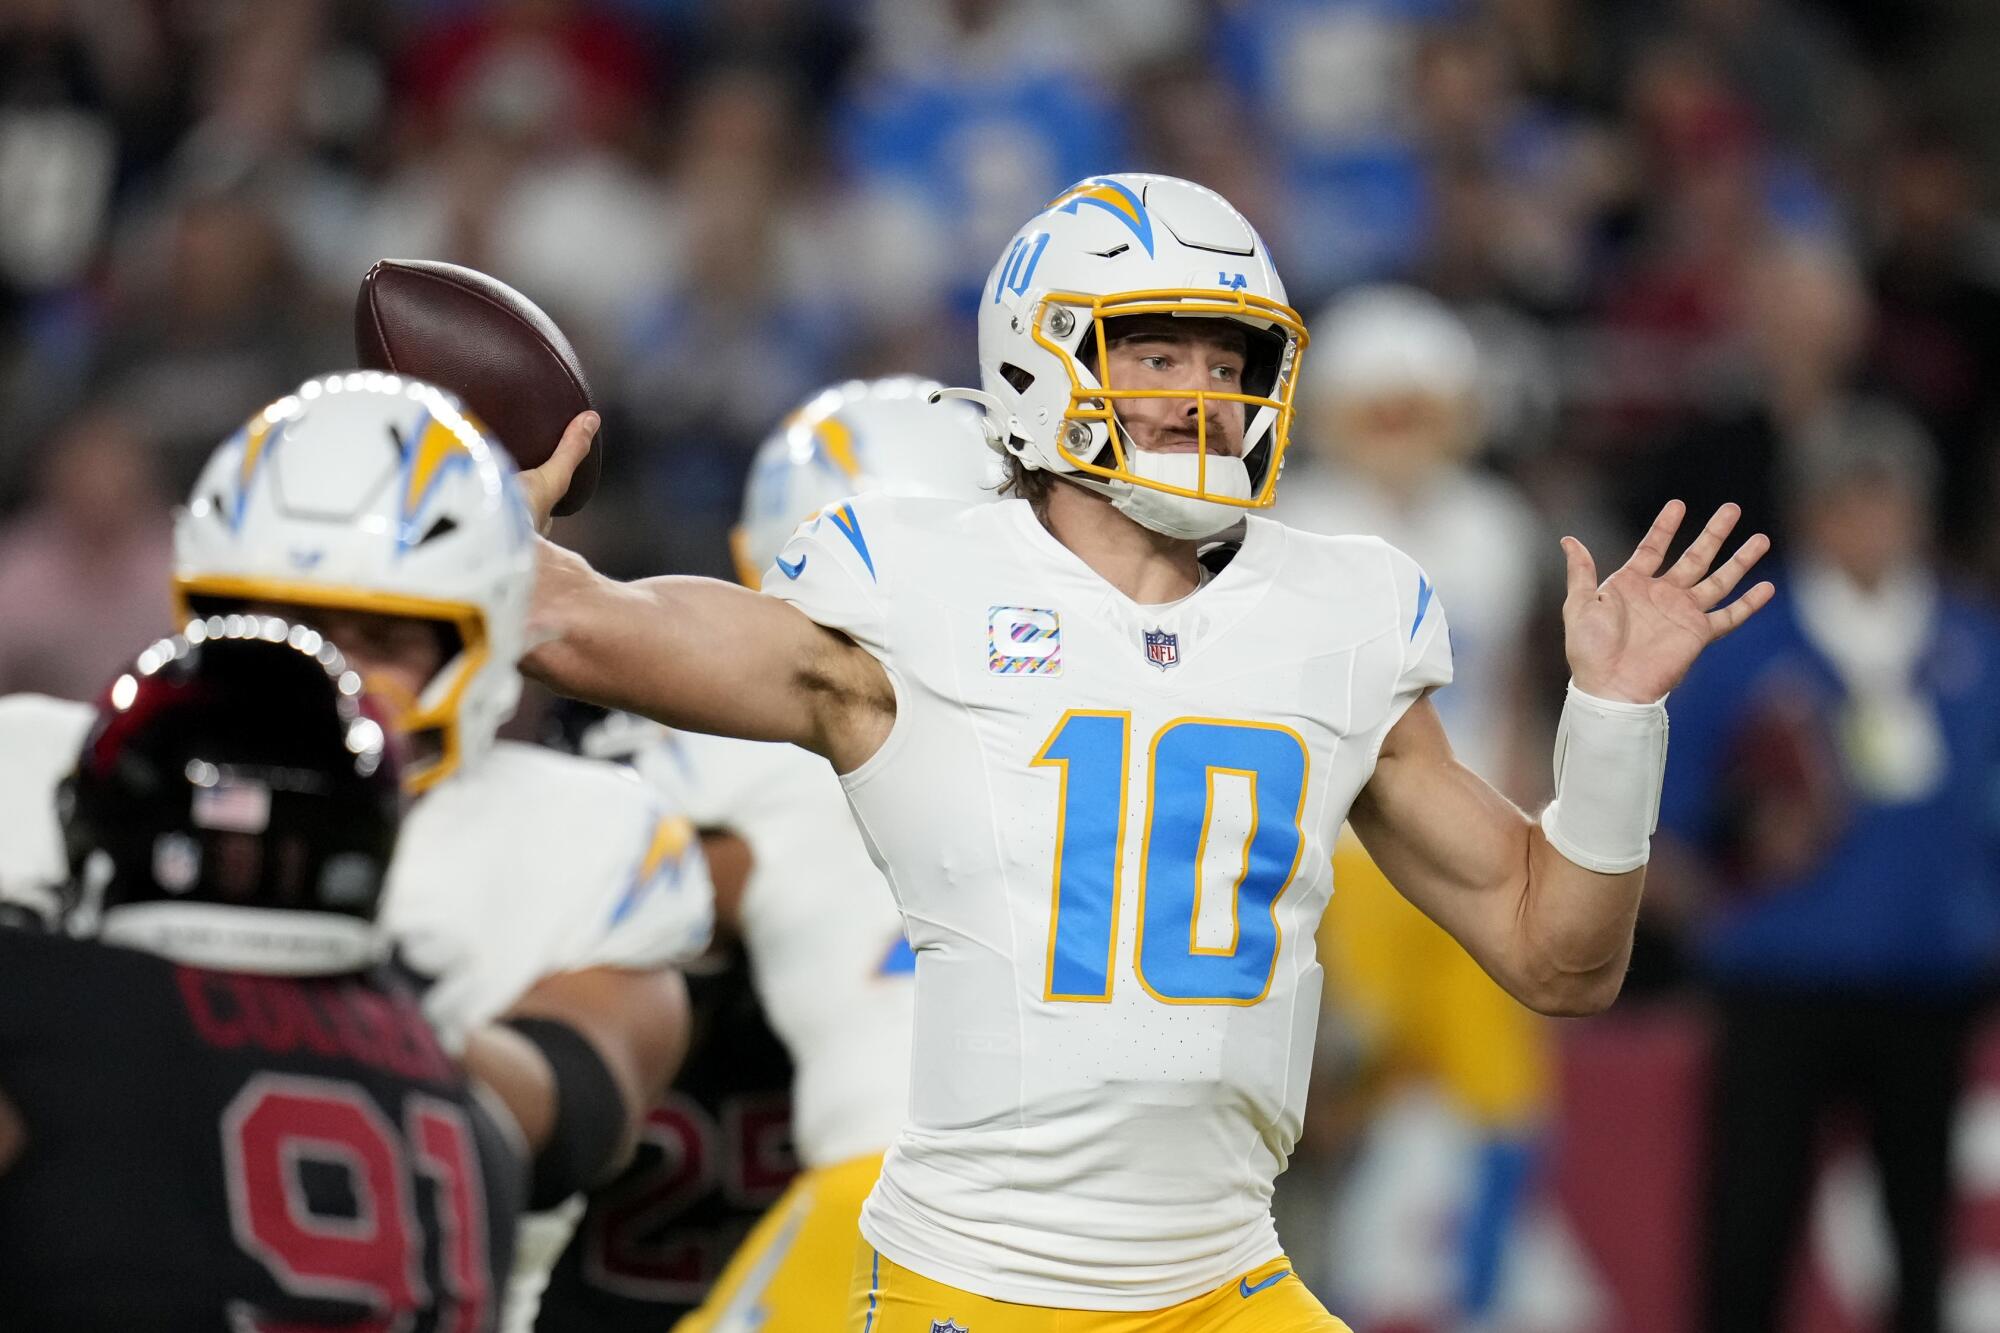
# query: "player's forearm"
578,1061
638,1021
1554,934
689,652
515,1072
1574,930
1587,854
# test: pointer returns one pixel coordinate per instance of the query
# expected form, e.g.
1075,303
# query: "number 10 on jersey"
1092,751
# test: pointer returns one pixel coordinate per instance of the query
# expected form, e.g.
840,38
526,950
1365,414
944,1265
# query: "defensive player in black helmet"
216,1111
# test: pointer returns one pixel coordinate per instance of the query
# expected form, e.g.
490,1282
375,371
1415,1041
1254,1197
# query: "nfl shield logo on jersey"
948,1326
1163,649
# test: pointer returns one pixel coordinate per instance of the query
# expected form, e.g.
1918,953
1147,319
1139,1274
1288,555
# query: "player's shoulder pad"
1395,592
850,565
1418,618
614,827
867,536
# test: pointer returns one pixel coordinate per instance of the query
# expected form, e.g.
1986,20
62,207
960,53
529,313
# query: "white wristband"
1611,760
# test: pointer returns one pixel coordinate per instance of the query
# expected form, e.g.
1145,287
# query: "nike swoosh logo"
1248,1291
793,571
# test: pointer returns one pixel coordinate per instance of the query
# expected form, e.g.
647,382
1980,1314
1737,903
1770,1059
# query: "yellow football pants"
790,1274
889,1298
1422,1006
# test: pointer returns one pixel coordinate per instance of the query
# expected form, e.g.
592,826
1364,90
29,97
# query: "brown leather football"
474,335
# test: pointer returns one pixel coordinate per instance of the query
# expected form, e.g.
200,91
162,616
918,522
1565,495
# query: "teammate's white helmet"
377,493
865,435
1393,339
1113,246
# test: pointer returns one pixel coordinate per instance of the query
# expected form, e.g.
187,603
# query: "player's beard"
1181,516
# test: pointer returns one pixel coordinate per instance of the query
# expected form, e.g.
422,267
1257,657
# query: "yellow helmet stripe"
259,432
436,447
835,436
1110,197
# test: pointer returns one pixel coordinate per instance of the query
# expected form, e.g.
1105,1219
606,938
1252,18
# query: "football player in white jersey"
1103,768
832,970
550,891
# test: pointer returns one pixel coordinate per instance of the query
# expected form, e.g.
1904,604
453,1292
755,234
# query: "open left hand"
1635,635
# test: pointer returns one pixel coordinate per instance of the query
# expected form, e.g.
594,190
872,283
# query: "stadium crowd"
1718,249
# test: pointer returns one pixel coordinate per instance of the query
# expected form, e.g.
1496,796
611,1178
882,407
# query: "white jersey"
1109,828
39,741
530,864
827,956
1477,537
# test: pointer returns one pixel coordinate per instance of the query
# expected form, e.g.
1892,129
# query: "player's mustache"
1213,441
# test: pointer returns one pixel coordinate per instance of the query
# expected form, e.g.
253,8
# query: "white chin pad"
1180,515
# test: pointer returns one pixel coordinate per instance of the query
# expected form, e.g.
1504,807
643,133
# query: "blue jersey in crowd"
1904,894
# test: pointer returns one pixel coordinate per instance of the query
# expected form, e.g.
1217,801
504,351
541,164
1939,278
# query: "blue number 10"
1093,752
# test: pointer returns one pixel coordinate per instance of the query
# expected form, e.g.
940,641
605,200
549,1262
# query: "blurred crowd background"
1720,249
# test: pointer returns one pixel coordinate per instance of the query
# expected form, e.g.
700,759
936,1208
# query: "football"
498,351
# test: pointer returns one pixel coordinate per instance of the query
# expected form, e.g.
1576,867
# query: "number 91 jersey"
1109,827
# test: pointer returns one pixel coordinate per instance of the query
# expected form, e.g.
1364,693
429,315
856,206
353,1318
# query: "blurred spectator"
1393,392
291,105
555,69
58,148
742,320
1391,420
1546,170
209,320
976,113
1329,86
1792,65
1937,332
813,40
83,571
1832,775
1778,376
1671,298
81,92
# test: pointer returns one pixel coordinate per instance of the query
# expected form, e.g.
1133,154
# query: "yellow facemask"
1092,404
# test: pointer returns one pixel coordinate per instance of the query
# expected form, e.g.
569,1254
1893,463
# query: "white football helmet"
884,435
375,493
1393,339
1109,247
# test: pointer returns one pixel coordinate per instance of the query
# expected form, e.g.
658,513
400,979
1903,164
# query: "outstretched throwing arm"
693,652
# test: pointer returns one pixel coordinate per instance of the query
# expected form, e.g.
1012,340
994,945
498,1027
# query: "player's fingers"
1727,618
1651,551
1582,570
1724,580
547,484
1701,552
